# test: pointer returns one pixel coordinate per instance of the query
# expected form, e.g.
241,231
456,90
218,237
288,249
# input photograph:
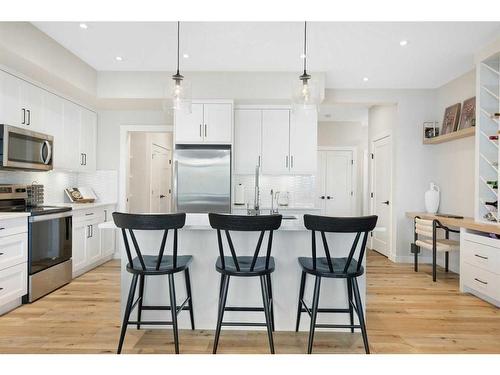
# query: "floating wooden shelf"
469,132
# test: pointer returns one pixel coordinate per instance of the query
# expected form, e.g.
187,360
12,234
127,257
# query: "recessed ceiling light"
83,26
185,55
403,43
302,55
365,79
119,58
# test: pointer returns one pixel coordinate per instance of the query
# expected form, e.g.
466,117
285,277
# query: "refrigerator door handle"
175,186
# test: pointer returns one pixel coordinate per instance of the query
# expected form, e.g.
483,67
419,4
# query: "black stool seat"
166,264
245,263
322,269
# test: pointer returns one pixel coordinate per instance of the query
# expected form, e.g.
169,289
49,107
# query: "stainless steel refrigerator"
202,178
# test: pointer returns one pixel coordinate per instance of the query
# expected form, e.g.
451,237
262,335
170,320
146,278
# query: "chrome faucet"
256,208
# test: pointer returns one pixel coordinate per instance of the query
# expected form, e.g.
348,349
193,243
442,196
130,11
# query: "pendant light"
180,92
305,90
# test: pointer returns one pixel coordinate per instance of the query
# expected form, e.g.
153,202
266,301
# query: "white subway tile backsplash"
302,189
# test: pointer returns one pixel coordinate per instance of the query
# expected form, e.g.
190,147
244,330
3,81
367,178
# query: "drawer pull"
1,254
480,256
89,214
481,281
2,228
1,289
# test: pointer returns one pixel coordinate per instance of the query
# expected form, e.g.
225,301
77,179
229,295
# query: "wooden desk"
466,222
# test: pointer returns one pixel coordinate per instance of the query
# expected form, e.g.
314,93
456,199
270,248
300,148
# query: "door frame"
354,175
152,145
379,137
124,156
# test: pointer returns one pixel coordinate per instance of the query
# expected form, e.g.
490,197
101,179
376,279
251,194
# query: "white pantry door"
161,177
381,190
335,182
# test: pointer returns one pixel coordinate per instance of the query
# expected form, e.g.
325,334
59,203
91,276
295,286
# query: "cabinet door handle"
481,281
85,159
286,161
322,197
480,256
81,158
291,161
1,254
92,230
258,161
1,289
105,215
89,214
200,131
24,117
29,117
88,231
206,130
328,197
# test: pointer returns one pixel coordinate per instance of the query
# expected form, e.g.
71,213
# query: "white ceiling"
347,51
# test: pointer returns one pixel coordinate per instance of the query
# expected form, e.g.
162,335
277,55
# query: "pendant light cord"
178,44
305,46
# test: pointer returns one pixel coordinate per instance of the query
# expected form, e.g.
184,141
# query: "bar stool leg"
301,296
222,306
141,296
349,296
314,313
270,291
128,308
173,310
361,317
188,291
267,312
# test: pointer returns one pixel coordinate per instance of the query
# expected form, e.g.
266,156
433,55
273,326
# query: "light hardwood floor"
406,313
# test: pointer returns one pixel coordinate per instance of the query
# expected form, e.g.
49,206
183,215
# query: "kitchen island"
198,239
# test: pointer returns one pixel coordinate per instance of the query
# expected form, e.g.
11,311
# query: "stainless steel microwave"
25,149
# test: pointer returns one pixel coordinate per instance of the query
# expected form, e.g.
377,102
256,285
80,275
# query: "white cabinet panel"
52,119
247,140
303,141
93,243
72,158
189,126
13,283
88,130
275,141
218,123
10,100
13,250
80,233
31,101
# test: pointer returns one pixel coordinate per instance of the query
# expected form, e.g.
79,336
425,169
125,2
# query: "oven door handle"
49,152
59,215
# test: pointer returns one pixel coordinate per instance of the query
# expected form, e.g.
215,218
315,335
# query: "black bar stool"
338,268
245,266
154,265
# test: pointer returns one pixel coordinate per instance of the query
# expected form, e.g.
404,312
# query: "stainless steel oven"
25,149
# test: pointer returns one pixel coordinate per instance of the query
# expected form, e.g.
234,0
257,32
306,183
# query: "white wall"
25,49
347,134
108,132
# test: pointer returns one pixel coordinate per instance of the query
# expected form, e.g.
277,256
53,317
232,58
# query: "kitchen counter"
13,215
198,239
83,206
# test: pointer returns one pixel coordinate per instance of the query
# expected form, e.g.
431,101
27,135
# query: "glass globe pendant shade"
181,93
305,93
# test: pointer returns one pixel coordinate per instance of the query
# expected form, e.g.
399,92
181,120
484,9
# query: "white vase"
432,199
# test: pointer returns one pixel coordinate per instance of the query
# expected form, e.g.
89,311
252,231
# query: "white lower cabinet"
480,266
91,247
13,262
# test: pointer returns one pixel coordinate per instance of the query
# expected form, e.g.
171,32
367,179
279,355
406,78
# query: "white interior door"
321,182
339,174
381,190
160,179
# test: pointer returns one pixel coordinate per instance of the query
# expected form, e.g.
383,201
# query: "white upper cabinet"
189,126
303,141
31,106
72,158
52,119
207,123
10,100
275,141
88,130
218,123
247,140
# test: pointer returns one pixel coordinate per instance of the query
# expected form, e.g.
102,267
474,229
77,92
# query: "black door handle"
322,197
386,202
162,196
328,197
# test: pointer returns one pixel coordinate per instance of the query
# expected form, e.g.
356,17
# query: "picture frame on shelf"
468,116
451,118
430,129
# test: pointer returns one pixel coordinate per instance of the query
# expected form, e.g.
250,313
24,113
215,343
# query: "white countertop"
83,206
13,215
